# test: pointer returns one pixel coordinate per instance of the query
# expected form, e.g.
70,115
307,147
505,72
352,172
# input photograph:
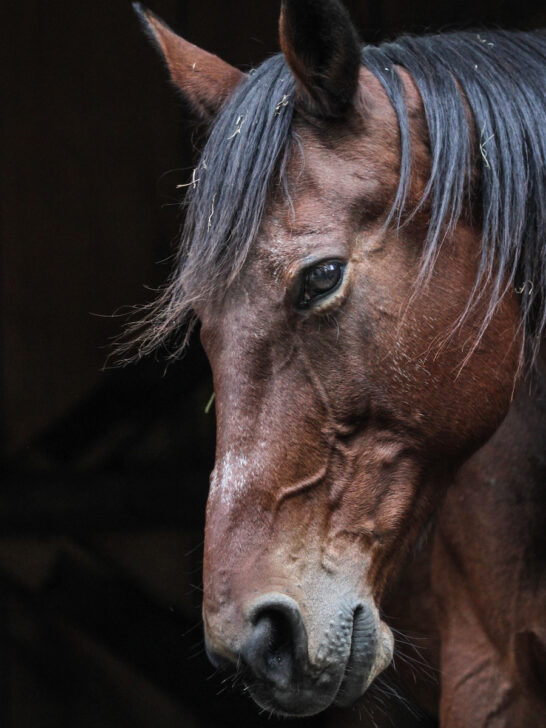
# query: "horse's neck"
489,554
488,549
488,566
497,499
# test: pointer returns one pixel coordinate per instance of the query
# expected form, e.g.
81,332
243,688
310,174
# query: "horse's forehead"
321,211
337,170
337,177
288,239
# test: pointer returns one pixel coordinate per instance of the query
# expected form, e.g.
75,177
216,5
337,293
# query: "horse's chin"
339,684
294,703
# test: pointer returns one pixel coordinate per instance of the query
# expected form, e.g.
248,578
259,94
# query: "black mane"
503,78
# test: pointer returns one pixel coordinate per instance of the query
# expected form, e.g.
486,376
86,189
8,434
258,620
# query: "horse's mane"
502,76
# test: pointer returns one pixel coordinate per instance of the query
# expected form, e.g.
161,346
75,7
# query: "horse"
364,253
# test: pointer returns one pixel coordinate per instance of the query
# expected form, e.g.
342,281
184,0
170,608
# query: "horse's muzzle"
277,668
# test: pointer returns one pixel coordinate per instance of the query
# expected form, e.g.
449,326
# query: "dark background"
104,471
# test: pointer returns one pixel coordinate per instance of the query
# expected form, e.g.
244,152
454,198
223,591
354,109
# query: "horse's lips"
339,685
362,657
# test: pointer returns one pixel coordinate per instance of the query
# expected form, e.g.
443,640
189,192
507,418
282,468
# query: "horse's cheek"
441,378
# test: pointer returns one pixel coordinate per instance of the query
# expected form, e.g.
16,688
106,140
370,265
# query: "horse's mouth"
369,653
360,662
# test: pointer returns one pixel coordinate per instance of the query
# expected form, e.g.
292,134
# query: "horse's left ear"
321,46
204,79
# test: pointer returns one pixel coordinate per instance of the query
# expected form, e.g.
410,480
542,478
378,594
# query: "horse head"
349,383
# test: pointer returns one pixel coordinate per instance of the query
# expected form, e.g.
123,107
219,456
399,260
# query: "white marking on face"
233,475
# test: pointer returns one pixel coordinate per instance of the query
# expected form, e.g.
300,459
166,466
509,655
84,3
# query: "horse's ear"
204,79
322,48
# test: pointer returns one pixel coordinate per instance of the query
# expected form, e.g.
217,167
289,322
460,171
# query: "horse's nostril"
277,647
274,634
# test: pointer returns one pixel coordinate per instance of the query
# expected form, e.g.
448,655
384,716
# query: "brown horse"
364,251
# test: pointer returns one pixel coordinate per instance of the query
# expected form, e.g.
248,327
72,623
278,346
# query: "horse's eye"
320,280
